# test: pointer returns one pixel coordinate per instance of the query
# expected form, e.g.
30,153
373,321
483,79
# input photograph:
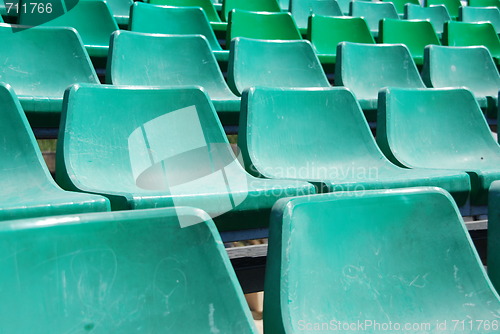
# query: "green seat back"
92,19
302,9
206,5
439,128
326,33
471,67
373,12
437,15
252,6
416,35
400,4
172,20
366,68
451,5
481,14
484,3
470,34
120,272
39,64
331,143
261,25
27,188
168,149
120,10
381,259
287,64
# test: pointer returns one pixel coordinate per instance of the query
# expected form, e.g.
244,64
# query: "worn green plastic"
27,188
252,6
471,34
439,128
157,147
40,63
415,34
92,19
175,21
471,67
494,234
373,12
381,259
120,10
260,25
451,5
484,3
302,9
206,5
329,143
288,64
400,4
119,272
481,14
171,60
325,33
437,15
366,68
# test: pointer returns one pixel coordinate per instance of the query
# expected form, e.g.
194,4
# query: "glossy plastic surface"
288,64
471,67
379,257
27,188
484,3
252,6
39,64
175,21
471,34
170,60
119,272
92,19
328,142
302,9
259,25
373,12
400,4
437,15
366,68
481,14
451,5
439,128
325,33
169,149
120,10
416,35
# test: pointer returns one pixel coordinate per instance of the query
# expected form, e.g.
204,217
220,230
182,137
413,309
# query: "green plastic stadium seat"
416,35
471,67
366,68
400,5
260,25
39,64
325,33
471,34
121,11
384,259
206,5
92,19
437,15
171,60
329,143
481,14
439,128
119,272
484,3
451,5
27,188
284,5
175,21
252,6
494,234
373,12
302,9
287,64
158,147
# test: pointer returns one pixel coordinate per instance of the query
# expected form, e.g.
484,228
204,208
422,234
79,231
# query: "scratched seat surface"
149,271
387,256
169,150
